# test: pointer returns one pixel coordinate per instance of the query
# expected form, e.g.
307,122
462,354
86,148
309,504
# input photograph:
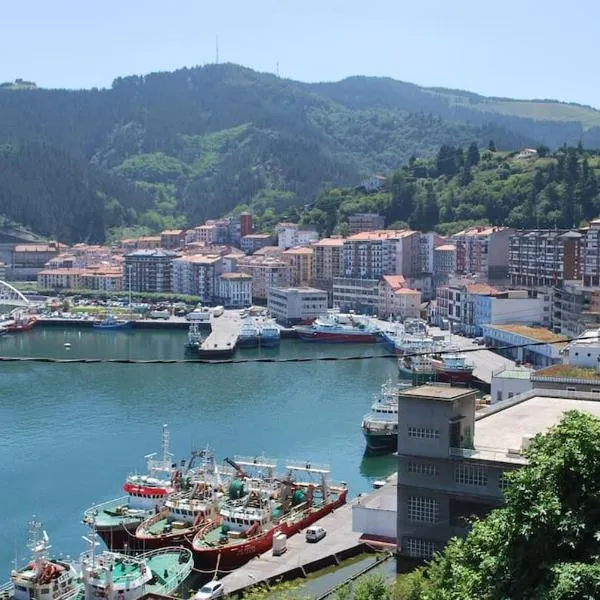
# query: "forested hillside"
170,149
460,187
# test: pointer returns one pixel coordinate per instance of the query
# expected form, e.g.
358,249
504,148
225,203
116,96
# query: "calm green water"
71,432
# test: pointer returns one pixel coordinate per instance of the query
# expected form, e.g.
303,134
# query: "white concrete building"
291,235
375,515
197,275
296,304
508,382
585,350
235,290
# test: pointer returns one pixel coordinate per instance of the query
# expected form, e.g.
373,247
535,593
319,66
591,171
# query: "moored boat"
115,521
336,327
249,335
111,322
453,368
417,366
270,334
20,322
246,526
194,339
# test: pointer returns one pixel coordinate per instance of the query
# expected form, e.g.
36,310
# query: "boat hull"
446,376
250,342
381,443
336,338
226,558
124,325
266,342
120,538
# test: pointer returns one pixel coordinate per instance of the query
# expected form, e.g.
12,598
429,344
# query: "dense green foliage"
168,149
545,543
462,187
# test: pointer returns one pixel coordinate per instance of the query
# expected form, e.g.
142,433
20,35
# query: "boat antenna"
165,444
92,544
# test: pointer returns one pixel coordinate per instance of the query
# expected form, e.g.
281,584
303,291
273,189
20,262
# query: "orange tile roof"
46,247
476,231
171,232
380,234
483,289
447,248
406,291
331,241
301,250
395,281
207,259
236,276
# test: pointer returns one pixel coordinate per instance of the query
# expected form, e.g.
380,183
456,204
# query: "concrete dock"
301,557
223,337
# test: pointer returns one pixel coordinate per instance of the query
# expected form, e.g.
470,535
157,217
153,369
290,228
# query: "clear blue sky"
517,48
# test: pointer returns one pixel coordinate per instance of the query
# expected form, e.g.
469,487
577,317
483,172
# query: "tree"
492,146
545,542
473,156
543,151
430,209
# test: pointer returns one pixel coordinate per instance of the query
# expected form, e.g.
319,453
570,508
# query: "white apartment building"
235,290
291,235
353,293
396,299
197,275
293,305
266,272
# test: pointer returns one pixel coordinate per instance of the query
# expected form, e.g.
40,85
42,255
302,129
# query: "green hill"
167,149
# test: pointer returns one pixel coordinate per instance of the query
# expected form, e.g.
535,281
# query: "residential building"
510,381
291,235
444,260
245,224
172,239
575,308
148,270
373,254
197,275
527,153
267,272
293,305
148,242
28,259
252,242
2,271
537,346
59,279
354,293
397,300
327,263
359,222
372,183
273,251
584,351
99,277
221,230
428,242
205,234
544,258
590,255
452,461
483,251
300,261
235,290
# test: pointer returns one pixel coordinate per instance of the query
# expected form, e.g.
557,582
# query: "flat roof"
568,372
506,428
539,334
436,392
515,373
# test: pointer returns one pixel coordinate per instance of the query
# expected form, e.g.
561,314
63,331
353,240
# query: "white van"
218,311
159,314
315,533
198,314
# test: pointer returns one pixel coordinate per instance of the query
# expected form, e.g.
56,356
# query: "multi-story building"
197,275
293,305
575,308
28,259
444,261
252,242
266,273
455,305
543,258
327,262
359,222
354,293
301,265
428,243
483,251
221,230
245,224
148,270
98,277
148,242
235,290
590,255
397,300
205,234
171,239
373,254
452,467
291,235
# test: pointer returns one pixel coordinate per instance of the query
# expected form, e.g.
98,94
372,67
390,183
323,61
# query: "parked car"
479,341
315,533
213,589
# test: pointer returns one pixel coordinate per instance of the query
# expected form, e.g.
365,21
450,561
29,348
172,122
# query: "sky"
520,49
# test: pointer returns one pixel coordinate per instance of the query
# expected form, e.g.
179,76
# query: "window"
503,481
418,547
423,469
421,508
466,474
423,433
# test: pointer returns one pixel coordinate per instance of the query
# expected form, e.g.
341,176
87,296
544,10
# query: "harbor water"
72,432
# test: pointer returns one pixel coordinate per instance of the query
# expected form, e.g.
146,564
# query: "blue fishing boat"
249,335
270,335
111,322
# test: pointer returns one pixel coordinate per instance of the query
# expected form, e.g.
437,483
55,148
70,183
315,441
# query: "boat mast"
38,544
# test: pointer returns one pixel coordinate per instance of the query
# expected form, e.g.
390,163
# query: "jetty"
223,337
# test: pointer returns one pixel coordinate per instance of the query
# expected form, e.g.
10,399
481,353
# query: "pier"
223,337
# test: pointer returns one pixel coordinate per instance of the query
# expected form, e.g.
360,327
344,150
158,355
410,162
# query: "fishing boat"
115,521
453,368
417,366
247,524
249,335
185,511
380,425
194,339
42,578
270,334
336,327
113,576
20,322
111,322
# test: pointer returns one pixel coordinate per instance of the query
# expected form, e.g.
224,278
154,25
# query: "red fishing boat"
336,327
20,323
248,521
452,368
